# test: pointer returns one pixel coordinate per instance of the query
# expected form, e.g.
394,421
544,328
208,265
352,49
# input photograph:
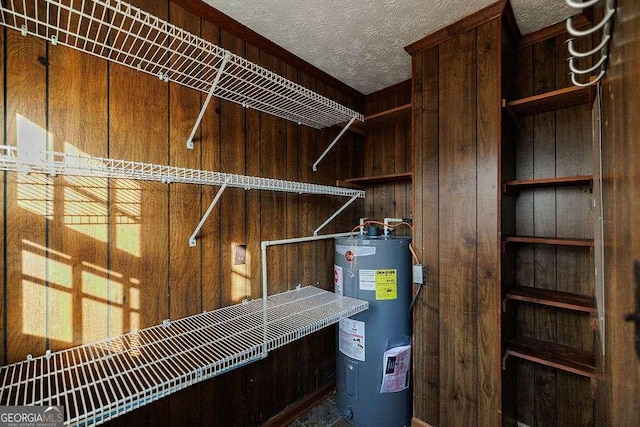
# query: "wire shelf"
100,381
57,163
121,33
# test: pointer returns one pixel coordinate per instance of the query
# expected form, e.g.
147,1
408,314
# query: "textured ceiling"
361,43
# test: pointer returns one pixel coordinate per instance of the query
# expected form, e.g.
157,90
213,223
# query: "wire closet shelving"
58,163
100,381
121,33
97,382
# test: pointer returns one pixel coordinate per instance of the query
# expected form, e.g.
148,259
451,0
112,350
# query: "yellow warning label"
386,284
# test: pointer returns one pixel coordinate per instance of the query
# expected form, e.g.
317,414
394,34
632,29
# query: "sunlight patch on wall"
126,210
60,315
134,299
32,138
85,202
94,320
34,265
34,190
34,309
101,288
35,194
116,321
238,275
60,273
85,212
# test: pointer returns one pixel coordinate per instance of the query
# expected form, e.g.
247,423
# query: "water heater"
373,348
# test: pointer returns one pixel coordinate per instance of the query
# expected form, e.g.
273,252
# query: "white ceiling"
361,43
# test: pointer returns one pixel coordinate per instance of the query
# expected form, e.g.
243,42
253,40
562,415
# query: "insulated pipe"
263,249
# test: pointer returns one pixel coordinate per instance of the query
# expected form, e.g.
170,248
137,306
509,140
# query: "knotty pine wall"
88,258
456,134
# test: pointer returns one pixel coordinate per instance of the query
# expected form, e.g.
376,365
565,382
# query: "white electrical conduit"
263,248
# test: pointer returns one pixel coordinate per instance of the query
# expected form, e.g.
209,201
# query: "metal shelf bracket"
344,129
207,100
335,214
192,239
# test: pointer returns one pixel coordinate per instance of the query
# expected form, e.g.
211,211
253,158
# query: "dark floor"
321,415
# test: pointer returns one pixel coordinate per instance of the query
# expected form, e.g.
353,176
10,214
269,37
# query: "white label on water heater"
367,280
351,341
337,280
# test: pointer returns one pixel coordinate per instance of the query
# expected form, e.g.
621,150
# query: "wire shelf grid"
99,381
58,163
121,33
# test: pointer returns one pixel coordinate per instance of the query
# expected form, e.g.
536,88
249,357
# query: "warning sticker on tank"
367,280
337,279
351,340
386,284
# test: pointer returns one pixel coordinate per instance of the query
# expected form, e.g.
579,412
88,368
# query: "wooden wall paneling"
138,234
403,163
139,210
78,229
292,251
184,107
308,222
185,288
508,272
27,197
382,147
3,224
621,188
574,220
427,316
233,232
524,226
273,157
322,358
419,361
488,222
545,223
309,218
258,374
210,148
457,241
210,242
345,168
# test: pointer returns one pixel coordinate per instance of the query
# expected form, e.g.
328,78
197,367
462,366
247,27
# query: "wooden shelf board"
400,112
552,298
356,127
549,101
391,115
549,241
514,186
380,179
558,356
